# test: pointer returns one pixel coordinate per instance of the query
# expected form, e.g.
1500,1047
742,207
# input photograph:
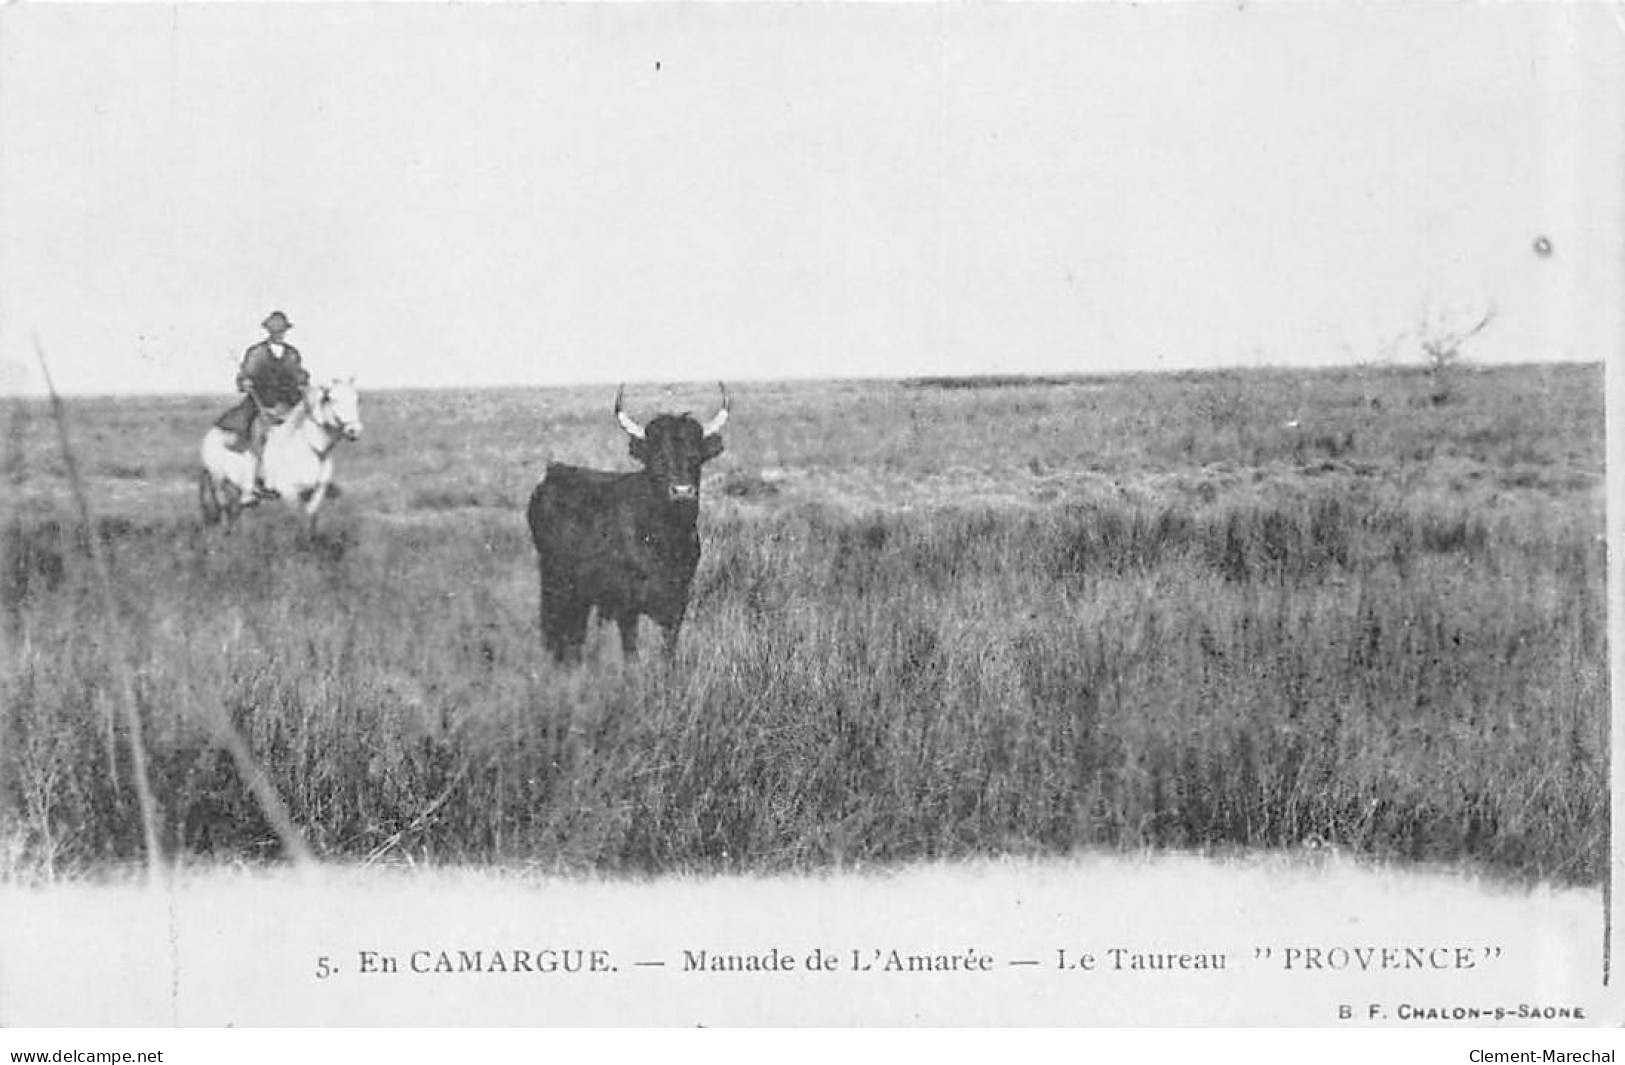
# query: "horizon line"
1056,378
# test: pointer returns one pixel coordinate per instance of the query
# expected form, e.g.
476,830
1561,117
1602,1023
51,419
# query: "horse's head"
337,407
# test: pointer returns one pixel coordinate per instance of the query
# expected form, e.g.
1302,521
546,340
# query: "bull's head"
673,447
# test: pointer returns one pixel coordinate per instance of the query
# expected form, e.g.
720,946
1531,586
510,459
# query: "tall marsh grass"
1403,680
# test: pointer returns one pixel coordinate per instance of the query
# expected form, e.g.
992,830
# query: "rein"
331,433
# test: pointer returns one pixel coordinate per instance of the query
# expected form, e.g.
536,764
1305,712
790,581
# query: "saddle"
239,420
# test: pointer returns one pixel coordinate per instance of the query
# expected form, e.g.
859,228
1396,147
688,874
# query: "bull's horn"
715,425
626,420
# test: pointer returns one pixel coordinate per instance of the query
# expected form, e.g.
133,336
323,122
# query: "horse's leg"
313,504
234,505
208,502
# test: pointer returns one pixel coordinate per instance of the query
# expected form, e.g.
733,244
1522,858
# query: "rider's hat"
274,321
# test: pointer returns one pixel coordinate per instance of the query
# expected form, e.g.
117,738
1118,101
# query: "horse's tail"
208,502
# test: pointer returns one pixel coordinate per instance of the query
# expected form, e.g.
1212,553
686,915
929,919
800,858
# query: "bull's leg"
672,623
564,623
561,642
571,631
670,634
544,609
628,621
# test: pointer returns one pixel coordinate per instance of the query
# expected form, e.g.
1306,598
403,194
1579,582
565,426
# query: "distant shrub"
1223,403
1329,443
1441,343
1463,534
444,499
977,381
741,484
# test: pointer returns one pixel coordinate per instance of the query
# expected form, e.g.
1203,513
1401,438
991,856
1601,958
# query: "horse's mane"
318,394
314,392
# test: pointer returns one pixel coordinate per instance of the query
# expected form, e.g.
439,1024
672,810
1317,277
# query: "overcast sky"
581,193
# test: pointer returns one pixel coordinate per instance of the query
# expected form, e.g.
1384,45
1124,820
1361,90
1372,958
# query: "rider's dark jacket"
278,380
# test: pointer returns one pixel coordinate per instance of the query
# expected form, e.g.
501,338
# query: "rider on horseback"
272,380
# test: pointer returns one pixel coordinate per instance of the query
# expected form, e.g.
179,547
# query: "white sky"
483,195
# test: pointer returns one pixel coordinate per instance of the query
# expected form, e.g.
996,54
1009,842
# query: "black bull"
625,543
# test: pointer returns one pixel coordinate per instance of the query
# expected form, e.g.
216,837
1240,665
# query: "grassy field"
1252,609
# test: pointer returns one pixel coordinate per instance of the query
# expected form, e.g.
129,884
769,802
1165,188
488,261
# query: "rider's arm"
295,366
253,360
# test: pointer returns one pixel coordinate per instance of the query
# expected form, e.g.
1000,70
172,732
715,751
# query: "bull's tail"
208,502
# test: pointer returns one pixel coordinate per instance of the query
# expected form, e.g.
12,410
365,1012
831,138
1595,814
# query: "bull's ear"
711,447
638,448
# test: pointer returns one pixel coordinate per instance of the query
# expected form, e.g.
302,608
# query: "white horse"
298,456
